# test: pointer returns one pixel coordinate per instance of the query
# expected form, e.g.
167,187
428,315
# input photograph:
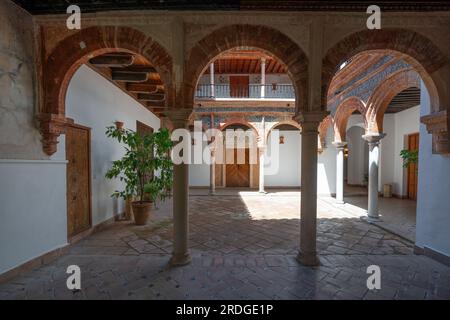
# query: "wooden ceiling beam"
137,68
129,76
112,60
151,97
155,104
144,88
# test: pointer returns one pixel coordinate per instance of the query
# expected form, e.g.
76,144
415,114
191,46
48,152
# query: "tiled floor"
243,247
397,216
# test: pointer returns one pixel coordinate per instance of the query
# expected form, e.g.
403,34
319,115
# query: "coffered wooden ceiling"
60,6
247,61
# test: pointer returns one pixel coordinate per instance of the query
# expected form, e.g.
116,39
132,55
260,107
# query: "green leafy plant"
409,157
144,155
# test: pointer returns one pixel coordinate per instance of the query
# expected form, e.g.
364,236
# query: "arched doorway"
93,78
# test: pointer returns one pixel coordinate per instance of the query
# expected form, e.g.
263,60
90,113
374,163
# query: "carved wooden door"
238,174
78,179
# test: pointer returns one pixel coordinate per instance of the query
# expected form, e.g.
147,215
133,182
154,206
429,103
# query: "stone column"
261,151
308,204
180,254
211,79
263,77
340,146
374,154
212,173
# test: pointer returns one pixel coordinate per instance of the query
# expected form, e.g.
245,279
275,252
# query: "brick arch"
343,112
265,38
416,49
384,93
280,123
323,128
77,49
244,122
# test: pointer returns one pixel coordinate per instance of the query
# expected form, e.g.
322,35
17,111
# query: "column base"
262,192
212,193
309,260
180,260
371,219
339,201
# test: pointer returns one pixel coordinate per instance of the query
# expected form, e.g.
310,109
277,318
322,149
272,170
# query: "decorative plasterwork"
437,124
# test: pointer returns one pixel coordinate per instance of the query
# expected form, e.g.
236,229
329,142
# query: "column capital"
339,144
310,120
373,138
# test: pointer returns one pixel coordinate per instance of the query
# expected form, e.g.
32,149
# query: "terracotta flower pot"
141,212
119,125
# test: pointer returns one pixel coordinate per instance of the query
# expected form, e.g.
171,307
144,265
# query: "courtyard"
243,246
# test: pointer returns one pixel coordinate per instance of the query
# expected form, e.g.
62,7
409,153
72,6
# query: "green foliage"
409,157
144,155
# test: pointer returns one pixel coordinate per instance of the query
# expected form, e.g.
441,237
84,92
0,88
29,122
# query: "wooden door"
413,144
239,86
238,174
78,179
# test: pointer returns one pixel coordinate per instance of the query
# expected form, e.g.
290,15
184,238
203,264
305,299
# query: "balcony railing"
251,91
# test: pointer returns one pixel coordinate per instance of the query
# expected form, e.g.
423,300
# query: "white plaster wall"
387,165
406,122
32,185
397,128
33,208
288,174
94,102
199,173
433,203
357,161
326,167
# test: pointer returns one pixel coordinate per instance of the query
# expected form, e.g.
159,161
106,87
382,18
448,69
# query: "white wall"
288,174
32,189
326,166
397,128
94,102
433,203
357,161
33,208
199,173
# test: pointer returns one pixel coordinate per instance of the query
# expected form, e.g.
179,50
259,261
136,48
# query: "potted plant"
144,155
409,157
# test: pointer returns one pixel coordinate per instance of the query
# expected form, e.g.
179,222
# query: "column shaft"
263,77
212,175
374,154
261,170
340,146
211,80
308,202
180,254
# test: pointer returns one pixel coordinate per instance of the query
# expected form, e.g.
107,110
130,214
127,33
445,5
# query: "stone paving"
243,247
